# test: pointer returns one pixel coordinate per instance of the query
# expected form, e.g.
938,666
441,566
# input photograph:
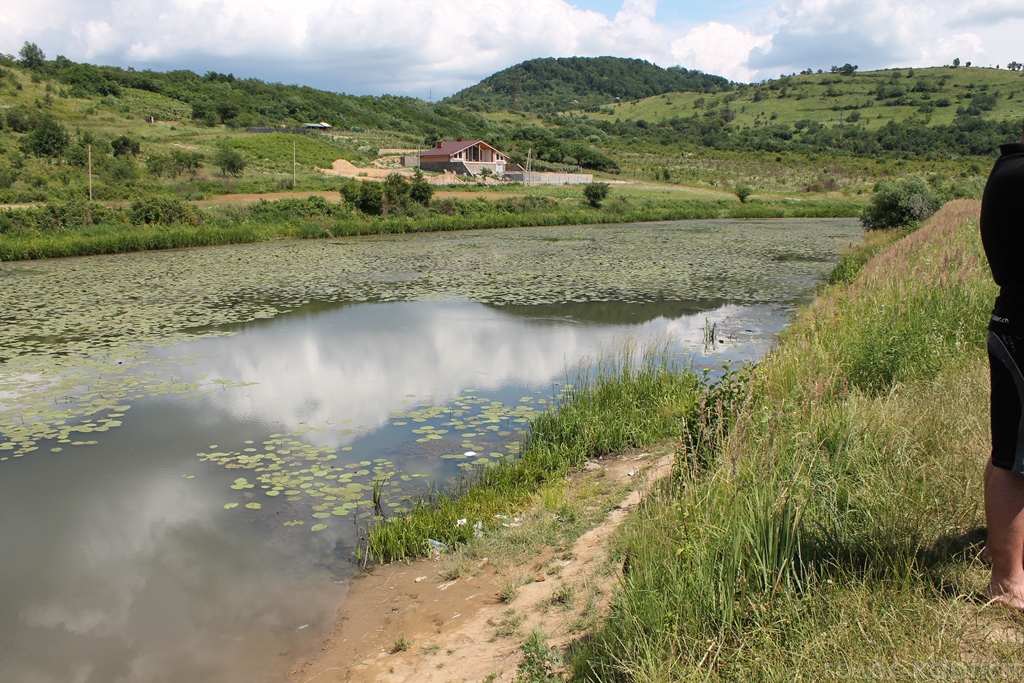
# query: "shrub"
421,191
229,160
48,138
163,211
125,145
897,203
595,193
371,199
743,192
284,209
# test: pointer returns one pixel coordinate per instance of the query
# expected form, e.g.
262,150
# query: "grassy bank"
627,403
57,230
835,534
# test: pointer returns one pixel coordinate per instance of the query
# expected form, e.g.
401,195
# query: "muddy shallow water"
188,440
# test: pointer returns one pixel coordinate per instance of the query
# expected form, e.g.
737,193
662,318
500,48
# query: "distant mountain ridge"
556,84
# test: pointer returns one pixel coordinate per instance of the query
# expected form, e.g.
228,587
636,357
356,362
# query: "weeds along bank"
76,229
835,533
628,402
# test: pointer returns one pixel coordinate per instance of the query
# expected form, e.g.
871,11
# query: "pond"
190,440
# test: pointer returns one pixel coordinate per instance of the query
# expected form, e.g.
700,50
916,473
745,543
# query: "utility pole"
293,164
529,154
90,172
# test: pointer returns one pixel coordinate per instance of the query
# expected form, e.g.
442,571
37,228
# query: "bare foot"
986,556
1005,596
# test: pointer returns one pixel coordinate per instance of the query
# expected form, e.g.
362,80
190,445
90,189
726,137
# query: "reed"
62,229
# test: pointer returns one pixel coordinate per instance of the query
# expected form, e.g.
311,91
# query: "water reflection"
121,562
118,568
361,363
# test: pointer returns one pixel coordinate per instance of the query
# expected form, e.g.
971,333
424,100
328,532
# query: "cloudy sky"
432,48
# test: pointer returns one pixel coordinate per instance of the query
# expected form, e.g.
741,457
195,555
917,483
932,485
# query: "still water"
198,521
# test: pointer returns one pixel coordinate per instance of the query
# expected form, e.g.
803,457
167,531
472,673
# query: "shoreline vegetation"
837,530
824,517
60,229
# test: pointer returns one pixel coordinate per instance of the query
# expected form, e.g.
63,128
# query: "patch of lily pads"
314,481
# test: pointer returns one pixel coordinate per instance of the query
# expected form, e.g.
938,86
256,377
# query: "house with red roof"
464,157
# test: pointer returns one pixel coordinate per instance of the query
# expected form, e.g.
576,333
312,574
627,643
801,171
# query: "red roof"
450,148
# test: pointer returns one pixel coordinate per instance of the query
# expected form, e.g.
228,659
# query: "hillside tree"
31,56
229,160
595,193
48,139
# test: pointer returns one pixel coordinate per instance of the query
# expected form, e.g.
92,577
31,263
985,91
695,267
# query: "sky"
434,48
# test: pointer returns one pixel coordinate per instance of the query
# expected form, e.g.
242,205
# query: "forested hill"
551,85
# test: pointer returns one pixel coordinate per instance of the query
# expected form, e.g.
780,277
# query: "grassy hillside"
835,534
932,96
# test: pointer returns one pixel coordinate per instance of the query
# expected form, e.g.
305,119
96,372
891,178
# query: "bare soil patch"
346,169
417,622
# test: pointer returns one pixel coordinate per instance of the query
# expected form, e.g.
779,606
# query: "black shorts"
1006,359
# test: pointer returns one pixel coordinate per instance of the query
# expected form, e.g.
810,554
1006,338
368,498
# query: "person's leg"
1004,513
986,556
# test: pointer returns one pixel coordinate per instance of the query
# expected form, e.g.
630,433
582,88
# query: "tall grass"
834,534
626,402
233,226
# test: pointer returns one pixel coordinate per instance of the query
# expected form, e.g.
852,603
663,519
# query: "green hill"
554,85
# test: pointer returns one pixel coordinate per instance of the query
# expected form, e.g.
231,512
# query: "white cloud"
982,12
399,46
966,46
417,46
720,49
886,33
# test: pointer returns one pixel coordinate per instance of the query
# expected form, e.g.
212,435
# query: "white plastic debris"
478,529
460,522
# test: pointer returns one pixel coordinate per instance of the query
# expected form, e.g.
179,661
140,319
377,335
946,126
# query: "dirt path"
459,628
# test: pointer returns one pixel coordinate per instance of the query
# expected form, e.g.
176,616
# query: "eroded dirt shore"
465,619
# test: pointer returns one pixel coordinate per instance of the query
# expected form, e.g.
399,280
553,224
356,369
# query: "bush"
897,203
371,199
285,209
125,145
163,211
743,192
229,160
595,193
421,191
